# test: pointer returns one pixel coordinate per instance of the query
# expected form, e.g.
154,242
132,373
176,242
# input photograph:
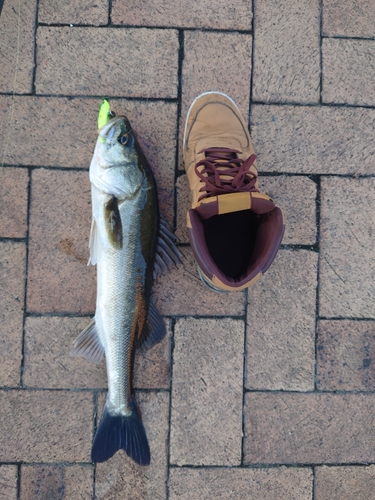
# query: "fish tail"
116,432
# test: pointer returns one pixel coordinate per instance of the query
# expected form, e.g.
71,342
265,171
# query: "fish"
130,244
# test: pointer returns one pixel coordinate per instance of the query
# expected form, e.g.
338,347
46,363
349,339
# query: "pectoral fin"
154,328
88,344
113,222
94,244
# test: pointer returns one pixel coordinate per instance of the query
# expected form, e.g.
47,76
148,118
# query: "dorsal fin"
167,253
154,328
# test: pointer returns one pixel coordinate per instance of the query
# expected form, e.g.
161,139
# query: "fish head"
115,167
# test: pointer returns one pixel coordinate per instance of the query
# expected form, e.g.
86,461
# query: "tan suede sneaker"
234,230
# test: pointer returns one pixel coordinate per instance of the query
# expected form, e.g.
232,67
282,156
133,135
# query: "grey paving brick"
337,483
348,71
349,18
45,426
310,139
17,25
206,420
56,481
12,283
347,264
286,51
120,477
67,65
346,355
13,196
280,340
258,484
282,428
73,12
181,292
222,14
8,481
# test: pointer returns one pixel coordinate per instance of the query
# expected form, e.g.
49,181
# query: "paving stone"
338,483
73,121
152,367
280,340
48,364
56,482
59,278
234,15
66,63
45,426
349,18
309,428
348,71
258,484
287,51
296,197
206,419
73,12
12,283
181,292
183,205
347,263
8,481
17,26
346,350
314,140
217,72
13,196
121,477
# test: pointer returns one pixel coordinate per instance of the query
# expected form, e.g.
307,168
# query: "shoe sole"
191,107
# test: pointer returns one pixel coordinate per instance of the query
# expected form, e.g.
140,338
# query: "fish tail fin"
116,432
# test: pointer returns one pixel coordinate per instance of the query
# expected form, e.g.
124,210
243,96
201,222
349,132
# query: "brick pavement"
267,394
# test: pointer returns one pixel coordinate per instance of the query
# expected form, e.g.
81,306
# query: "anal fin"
88,344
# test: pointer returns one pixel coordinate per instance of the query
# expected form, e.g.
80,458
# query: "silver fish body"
123,244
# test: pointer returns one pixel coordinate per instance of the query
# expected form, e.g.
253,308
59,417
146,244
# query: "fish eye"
125,139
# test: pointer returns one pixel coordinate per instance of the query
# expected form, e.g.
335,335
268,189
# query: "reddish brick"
258,484
17,25
59,279
73,12
346,352
104,71
12,282
349,18
347,263
183,205
309,428
13,208
56,481
217,71
8,481
296,197
206,420
234,15
310,139
181,292
120,477
287,51
348,74
45,426
338,483
280,341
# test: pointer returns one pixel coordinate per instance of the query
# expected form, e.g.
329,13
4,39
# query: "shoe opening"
230,240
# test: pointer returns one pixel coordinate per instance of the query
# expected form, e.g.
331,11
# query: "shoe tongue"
226,203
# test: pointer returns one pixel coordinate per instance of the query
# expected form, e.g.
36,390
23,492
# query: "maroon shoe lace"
224,172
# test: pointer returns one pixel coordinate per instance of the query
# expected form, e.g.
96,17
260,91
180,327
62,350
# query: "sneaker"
235,230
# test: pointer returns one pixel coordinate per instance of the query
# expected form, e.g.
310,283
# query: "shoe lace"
224,172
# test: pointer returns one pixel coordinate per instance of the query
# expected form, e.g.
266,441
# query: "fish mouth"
114,124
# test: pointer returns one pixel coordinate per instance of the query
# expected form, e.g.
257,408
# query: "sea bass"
128,243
